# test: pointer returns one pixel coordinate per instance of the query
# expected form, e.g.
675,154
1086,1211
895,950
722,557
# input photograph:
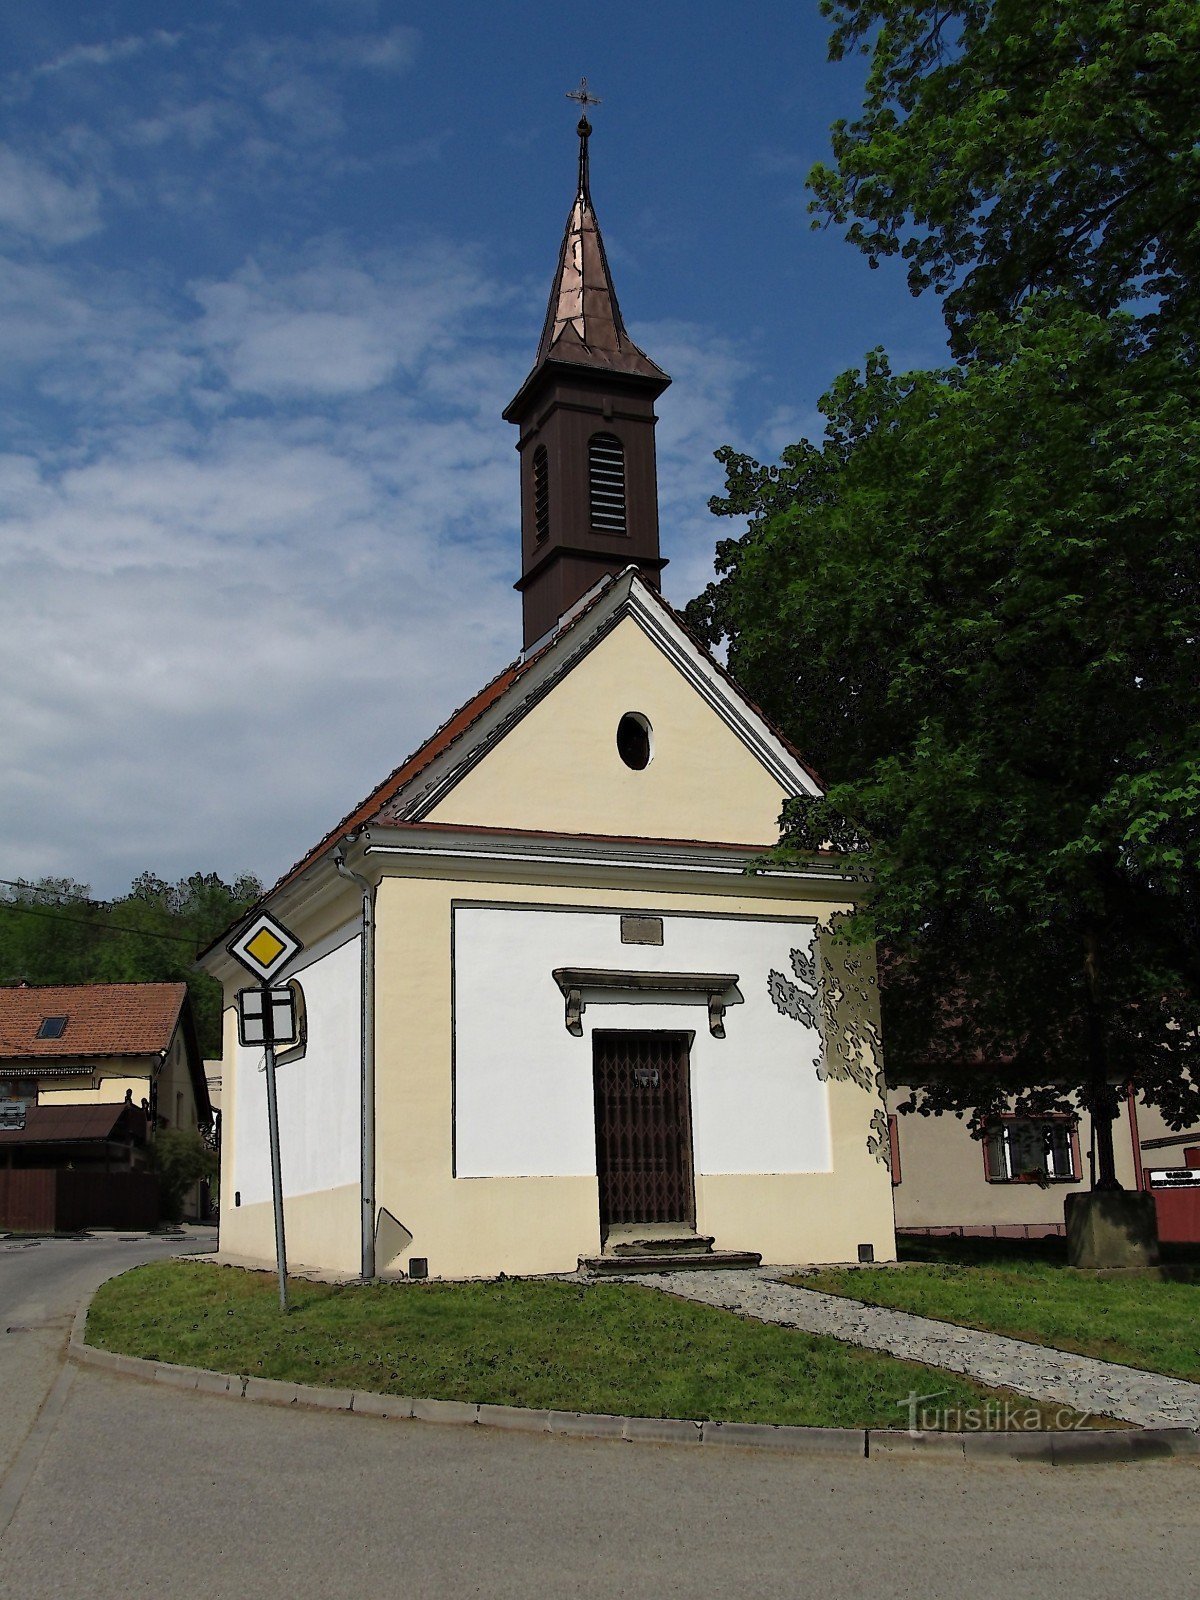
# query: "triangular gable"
414,789
544,755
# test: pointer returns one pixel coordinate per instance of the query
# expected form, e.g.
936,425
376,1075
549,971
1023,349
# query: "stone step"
615,1266
671,1245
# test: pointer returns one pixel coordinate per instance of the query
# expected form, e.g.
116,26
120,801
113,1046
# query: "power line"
95,905
97,927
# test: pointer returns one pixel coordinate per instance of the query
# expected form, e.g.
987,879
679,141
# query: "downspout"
155,1079
1135,1138
367,1058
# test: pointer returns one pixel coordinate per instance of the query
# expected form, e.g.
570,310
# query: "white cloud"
38,205
105,53
310,352
257,108
42,313
296,79
788,425
393,51
195,124
95,343
697,413
271,545
218,630
309,109
338,328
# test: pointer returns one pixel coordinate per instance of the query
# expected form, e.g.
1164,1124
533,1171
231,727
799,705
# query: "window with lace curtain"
1031,1150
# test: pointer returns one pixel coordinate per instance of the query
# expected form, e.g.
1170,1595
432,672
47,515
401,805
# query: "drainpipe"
155,1079
367,1055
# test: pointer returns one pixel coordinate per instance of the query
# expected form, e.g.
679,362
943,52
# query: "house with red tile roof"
88,1072
546,1011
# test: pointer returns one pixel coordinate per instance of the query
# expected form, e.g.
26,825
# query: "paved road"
146,1491
41,1284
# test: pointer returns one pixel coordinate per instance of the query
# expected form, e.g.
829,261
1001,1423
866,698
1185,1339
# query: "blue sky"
269,273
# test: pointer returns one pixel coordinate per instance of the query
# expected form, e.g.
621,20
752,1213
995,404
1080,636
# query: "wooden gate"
65,1200
643,1127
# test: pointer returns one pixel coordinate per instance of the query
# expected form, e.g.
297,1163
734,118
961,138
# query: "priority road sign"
267,1016
264,947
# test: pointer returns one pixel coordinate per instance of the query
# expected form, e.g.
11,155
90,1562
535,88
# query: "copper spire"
589,495
584,130
583,324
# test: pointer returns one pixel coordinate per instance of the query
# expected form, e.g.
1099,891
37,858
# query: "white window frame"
1003,1144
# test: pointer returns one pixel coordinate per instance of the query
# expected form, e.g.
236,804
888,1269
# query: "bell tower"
589,483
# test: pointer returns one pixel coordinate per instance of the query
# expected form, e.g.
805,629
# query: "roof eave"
553,366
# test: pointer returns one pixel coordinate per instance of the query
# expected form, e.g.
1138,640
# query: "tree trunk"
1104,1104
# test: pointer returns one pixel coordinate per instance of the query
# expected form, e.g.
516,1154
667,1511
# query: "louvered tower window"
541,494
606,482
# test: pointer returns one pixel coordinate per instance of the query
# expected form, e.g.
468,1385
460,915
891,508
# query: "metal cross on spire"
585,98
584,95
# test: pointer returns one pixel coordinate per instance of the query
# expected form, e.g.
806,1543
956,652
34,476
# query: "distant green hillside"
52,931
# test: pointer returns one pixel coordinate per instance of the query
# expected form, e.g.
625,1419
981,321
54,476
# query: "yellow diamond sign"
264,947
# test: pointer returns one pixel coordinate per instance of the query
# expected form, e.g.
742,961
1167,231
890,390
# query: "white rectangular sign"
266,1016
1175,1178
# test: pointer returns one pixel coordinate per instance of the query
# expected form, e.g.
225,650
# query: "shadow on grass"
963,1250
1179,1263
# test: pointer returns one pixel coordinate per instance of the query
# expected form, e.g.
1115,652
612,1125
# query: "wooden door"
643,1127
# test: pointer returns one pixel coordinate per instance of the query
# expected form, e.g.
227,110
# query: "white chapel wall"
523,1095
318,1095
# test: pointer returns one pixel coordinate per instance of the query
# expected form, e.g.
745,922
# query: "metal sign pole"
264,947
276,1173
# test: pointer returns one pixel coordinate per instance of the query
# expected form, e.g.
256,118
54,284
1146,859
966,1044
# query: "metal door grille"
643,1127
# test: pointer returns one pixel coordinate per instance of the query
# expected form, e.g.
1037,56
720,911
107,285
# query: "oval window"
633,741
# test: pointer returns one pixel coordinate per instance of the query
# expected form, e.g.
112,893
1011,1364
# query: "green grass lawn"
1025,1289
603,1347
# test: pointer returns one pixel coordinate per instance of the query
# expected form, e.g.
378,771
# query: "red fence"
1176,1203
1178,1215
60,1200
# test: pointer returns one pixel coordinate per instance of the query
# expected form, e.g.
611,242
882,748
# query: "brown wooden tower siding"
590,386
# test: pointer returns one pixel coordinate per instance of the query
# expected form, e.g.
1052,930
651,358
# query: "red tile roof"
103,1019
391,786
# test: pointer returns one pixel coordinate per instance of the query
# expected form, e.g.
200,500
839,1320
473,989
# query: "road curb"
1085,1447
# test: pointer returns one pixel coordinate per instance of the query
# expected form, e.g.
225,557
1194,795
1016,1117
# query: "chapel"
547,1014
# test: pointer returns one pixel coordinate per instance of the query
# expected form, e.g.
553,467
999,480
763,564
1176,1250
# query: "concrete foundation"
1111,1228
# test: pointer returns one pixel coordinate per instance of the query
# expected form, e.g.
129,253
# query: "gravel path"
1145,1398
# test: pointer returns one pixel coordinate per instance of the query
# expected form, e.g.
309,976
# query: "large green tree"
975,602
1007,147
975,607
